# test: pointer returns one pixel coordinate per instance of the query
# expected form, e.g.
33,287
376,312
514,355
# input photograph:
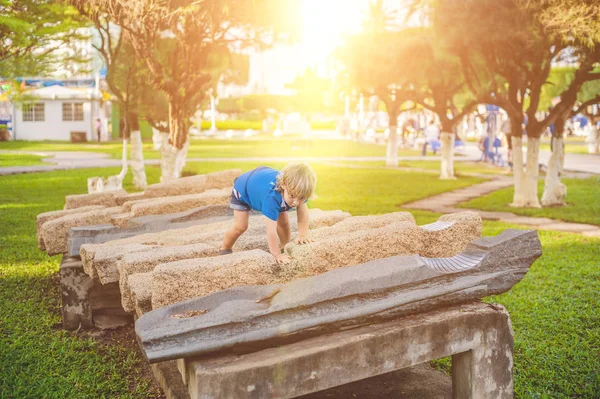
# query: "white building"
57,113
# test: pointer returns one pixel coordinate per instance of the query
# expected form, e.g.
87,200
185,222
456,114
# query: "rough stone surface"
145,225
377,290
55,232
101,262
140,286
107,198
479,336
193,184
130,197
75,287
47,216
177,281
179,203
350,242
453,239
405,383
143,262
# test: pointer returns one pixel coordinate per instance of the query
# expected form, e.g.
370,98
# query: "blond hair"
299,179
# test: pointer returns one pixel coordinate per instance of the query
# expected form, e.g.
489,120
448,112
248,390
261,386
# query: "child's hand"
301,239
283,259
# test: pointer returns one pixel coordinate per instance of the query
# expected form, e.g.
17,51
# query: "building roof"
57,92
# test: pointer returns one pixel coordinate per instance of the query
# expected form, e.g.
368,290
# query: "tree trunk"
392,148
554,190
447,153
518,172
532,172
177,124
172,159
137,160
526,182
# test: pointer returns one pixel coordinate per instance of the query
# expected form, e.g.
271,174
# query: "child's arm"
273,240
302,211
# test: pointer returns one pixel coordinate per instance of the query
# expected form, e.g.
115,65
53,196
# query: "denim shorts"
237,204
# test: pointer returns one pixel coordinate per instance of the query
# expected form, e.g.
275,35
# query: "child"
273,193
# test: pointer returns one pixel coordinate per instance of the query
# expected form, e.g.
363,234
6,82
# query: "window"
34,112
67,111
78,111
72,111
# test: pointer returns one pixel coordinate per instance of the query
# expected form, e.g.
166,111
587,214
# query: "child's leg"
284,230
240,225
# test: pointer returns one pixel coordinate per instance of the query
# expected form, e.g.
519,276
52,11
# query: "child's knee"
283,222
240,228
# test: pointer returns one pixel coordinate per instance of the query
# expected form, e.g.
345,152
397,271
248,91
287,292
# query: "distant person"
99,129
432,135
272,193
505,130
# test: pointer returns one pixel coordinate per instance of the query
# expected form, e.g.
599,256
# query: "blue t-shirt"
257,189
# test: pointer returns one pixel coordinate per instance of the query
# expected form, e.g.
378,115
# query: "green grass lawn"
569,148
554,309
583,202
220,148
7,159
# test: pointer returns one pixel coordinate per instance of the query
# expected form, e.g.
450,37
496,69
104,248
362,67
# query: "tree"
371,63
36,36
183,44
438,86
506,51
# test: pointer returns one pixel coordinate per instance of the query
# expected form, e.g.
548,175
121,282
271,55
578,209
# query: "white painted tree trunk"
172,159
554,190
518,173
392,148
137,160
447,152
526,182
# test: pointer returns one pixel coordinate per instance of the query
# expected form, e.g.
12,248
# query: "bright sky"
324,24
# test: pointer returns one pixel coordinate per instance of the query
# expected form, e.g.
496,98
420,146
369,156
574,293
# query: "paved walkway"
447,203
64,160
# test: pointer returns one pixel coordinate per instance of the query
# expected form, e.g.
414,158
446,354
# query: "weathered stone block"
479,337
181,203
176,281
143,262
75,287
107,199
194,184
145,225
101,262
55,232
47,216
357,295
140,289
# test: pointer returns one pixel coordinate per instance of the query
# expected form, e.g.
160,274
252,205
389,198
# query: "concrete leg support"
86,303
75,287
478,336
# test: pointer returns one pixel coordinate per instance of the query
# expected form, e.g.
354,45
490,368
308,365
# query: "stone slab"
193,184
143,262
381,289
479,337
55,232
350,242
107,198
405,383
75,284
48,216
99,234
